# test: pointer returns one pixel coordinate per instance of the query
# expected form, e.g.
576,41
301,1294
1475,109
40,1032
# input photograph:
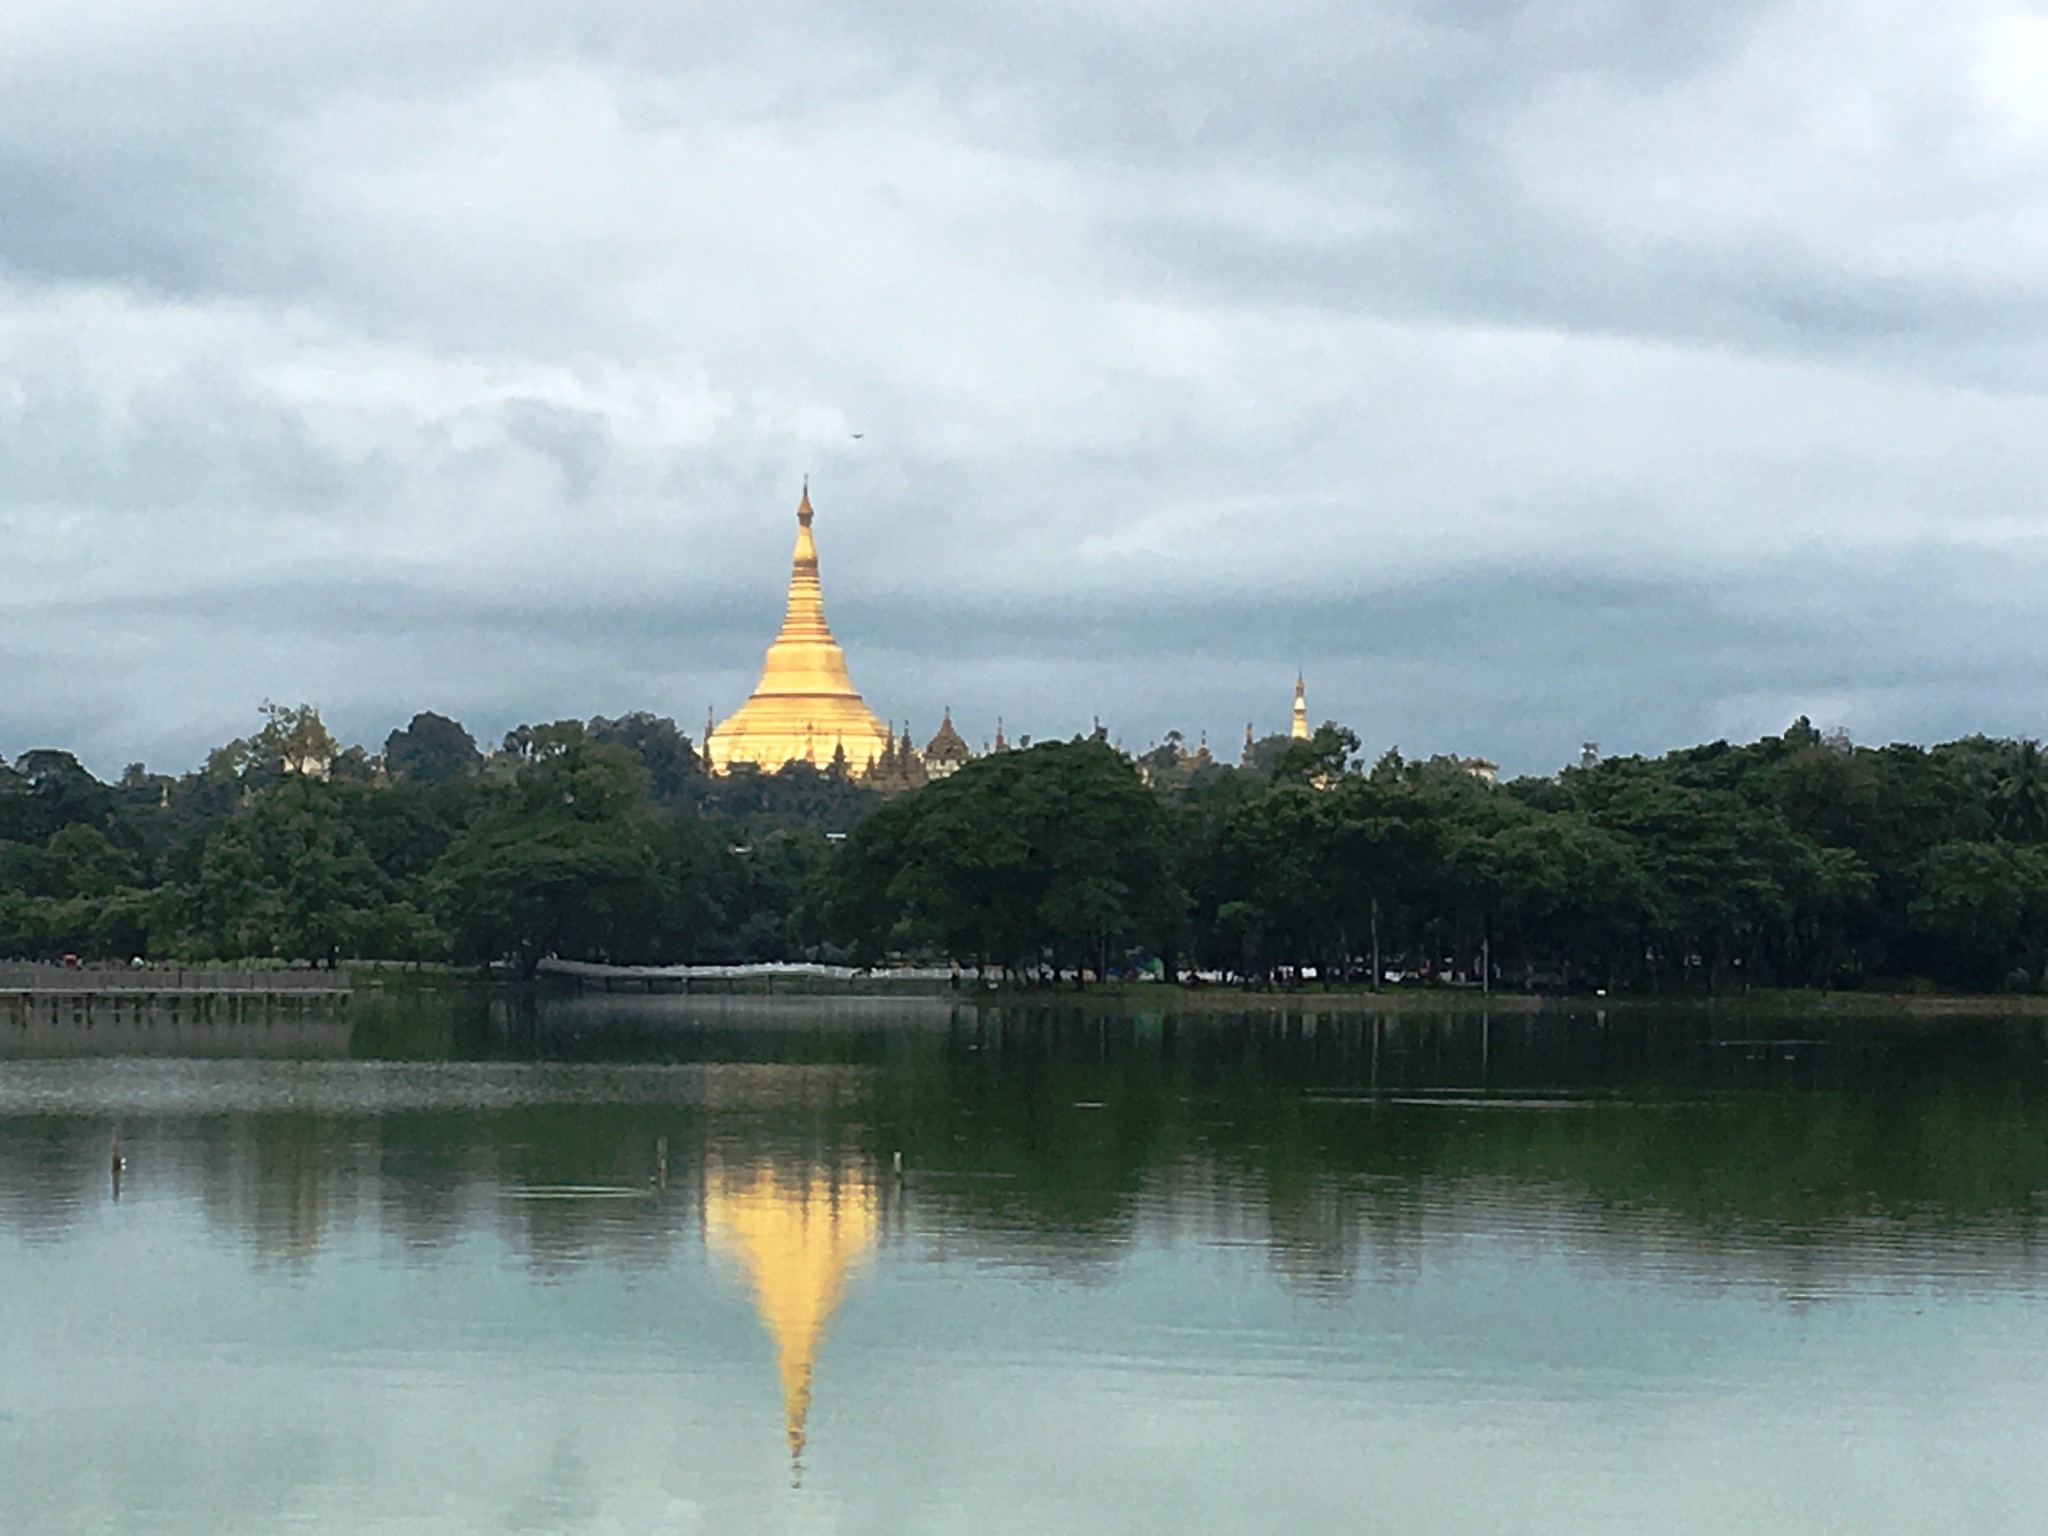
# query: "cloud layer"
1528,374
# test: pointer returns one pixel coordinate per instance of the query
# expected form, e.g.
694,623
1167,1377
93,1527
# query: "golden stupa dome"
805,707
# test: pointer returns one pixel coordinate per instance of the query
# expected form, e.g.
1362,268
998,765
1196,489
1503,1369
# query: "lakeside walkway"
165,981
769,978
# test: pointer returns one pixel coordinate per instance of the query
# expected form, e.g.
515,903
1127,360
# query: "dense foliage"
1796,860
600,841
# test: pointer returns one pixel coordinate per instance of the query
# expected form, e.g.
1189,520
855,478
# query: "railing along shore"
769,977
18,979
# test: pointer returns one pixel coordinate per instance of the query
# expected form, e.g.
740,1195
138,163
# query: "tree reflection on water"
1338,1144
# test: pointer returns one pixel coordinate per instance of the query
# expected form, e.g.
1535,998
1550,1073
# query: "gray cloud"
1529,373
1521,666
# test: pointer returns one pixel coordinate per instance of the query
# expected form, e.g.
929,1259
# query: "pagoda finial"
803,506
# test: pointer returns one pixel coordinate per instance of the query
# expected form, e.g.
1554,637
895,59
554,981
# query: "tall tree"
430,750
1053,855
561,864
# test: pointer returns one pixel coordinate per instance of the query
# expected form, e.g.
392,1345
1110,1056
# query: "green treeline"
603,840
1796,860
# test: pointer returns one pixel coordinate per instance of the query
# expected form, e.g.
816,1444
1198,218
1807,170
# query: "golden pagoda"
805,708
1298,729
797,1242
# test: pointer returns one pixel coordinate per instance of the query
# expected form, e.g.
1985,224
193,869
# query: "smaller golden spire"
1299,728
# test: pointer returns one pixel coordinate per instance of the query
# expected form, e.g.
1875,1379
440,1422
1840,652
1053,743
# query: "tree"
1321,760
1565,892
1052,855
522,891
559,865
673,770
48,790
294,739
530,743
79,860
1273,861
700,884
796,795
2020,797
288,876
1984,907
431,750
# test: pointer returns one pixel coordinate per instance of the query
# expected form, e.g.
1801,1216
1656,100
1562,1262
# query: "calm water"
421,1271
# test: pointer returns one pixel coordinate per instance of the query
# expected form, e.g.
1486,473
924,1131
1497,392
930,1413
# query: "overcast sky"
1526,373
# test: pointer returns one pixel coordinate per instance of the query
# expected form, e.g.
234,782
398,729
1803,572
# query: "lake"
461,1262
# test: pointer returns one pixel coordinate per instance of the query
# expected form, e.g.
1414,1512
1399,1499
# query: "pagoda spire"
804,693
804,615
1299,728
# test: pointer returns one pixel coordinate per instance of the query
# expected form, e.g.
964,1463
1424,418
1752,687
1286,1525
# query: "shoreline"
818,983
1228,1000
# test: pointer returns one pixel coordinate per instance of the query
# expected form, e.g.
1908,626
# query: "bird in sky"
858,436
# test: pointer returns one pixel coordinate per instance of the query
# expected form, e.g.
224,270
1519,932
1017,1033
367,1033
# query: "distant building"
899,767
303,744
1171,765
946,753
805,709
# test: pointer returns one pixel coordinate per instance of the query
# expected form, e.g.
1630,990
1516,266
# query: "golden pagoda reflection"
797,1239
804,708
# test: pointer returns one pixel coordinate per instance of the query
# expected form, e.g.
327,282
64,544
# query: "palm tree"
2020,797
